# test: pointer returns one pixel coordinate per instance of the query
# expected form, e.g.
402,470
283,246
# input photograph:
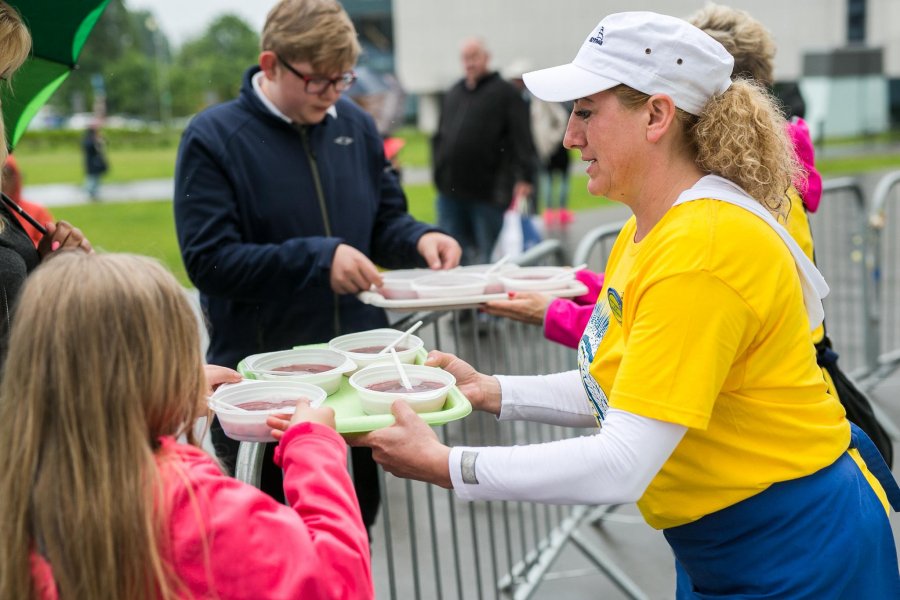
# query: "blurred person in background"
482,154
12,187
285,202
548,125
93,146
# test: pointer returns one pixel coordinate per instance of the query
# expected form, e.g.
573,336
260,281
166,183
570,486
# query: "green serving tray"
350,418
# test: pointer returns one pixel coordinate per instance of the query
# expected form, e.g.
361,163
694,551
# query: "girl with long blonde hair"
99,498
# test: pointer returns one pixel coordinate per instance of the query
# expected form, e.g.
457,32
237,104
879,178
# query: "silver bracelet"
467,467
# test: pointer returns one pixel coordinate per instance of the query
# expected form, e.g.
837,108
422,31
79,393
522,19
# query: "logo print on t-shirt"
587,347
615,304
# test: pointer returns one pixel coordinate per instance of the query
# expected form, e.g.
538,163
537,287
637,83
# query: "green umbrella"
59,29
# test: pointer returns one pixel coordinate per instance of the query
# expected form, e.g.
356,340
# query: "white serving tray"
572,288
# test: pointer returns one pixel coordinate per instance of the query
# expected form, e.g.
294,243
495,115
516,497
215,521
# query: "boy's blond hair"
314,31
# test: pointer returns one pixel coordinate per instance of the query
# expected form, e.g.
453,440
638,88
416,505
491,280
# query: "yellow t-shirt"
707,329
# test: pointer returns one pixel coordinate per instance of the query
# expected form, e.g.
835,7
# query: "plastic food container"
318,366
259,400
446,284
397,285
535,279
385,377
362,347
494,285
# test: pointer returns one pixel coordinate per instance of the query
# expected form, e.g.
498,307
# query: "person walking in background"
548,125
696,365
105,375
284,202
93,146
12,187
556,174
482,154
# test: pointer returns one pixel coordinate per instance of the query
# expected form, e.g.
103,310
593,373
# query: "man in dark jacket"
283,200
482,154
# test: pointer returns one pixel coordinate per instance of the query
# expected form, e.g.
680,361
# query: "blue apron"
819,537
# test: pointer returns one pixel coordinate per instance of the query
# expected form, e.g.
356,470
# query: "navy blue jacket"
254,238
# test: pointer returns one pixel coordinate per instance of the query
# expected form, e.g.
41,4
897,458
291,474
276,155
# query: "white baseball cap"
649,52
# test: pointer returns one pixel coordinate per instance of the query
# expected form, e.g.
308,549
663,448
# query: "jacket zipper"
314,167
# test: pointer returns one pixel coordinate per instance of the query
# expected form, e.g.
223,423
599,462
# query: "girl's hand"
324,415
216,376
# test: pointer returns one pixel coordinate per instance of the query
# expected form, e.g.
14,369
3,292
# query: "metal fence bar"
884,235
840,235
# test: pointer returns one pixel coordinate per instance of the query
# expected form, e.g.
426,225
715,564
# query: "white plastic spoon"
565,274
402,337
498,264
403,378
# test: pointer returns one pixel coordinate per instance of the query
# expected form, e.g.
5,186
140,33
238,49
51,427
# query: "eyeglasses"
318,85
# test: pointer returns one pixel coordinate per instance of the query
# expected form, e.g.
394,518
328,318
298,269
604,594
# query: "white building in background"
846,89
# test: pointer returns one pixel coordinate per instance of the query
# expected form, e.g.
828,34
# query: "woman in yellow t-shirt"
696,361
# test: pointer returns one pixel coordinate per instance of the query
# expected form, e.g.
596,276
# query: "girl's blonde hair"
741,136
316,31
104,359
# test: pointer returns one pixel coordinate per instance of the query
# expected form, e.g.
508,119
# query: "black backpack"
858,407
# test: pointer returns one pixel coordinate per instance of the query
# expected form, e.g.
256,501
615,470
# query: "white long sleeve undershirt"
613,466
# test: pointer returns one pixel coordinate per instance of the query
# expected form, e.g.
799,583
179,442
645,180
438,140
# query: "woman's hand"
323,415
62,235
216,376
409,448
483,391
528,307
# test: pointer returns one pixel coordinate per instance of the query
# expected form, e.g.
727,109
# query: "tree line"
130,61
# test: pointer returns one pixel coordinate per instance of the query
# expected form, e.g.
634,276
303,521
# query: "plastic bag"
519,231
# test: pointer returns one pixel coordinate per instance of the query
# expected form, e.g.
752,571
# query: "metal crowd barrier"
426,544
884,236
840,234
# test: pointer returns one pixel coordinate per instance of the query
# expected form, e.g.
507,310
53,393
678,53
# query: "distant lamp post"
162,72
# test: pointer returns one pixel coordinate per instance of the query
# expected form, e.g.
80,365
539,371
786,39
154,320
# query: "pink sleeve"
565,321
230,540
594,283
810,186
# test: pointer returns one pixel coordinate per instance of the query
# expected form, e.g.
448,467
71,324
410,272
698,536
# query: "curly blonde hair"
745,38
741,136
316,31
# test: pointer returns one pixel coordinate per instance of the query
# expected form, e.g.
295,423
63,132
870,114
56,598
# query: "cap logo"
597,39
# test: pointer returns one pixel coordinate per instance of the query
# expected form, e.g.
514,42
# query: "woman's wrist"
492,395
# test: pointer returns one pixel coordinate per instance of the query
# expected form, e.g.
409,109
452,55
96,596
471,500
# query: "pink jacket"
566,319
316,547
810,186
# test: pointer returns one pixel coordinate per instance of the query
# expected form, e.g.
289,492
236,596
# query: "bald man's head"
475,58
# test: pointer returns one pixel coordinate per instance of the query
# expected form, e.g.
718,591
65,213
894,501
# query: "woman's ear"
661,113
